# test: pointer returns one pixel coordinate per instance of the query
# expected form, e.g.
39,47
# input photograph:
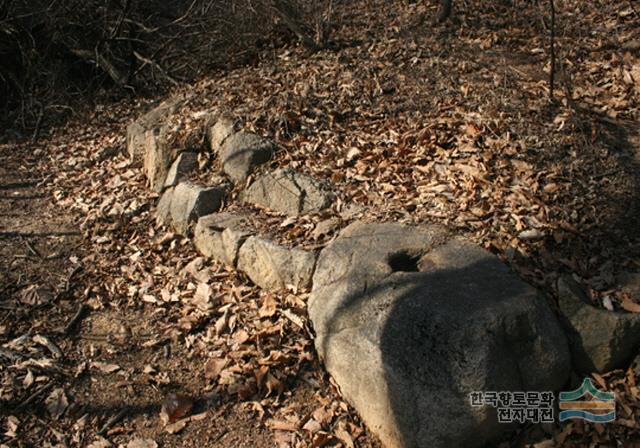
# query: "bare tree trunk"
289,16
445,10
552,74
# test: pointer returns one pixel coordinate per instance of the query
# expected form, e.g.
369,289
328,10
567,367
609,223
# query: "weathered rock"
274,267
409,324
325,228
163,208
184,164
600,340
241,152
220,235
154,119
184,204
158,157
219,132
288,192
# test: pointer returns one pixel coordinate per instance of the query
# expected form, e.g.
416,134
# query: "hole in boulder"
403,262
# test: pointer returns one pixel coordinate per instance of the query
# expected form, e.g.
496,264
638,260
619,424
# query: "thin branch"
147,61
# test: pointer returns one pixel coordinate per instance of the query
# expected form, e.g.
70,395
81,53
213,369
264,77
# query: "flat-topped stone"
219,132
288,192
220,235
154,119
241,152
182,205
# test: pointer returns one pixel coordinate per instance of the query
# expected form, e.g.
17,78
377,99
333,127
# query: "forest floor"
105,317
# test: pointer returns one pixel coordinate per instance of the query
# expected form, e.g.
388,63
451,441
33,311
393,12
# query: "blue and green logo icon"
601,408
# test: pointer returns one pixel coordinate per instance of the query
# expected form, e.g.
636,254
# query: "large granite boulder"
220,235
241,152
288,192
184,204
600,340
410,322
274,267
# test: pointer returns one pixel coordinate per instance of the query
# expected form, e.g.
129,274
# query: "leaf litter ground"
409,122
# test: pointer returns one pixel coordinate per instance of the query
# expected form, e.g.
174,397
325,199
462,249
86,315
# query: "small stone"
220,235
600,340
184,164
288,192
219,132
185,203
531,235
242,152
274,267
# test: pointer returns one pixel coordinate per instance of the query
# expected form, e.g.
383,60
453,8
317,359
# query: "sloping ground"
412,123
242,359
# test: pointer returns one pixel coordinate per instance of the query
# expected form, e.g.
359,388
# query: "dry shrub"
55,52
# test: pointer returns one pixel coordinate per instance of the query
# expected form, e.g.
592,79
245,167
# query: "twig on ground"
77,317
112,421
31,398
67,282
32,249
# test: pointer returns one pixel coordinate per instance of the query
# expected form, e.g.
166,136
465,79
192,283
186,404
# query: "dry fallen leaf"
174,428
344,436
282,425
269,305
105,367
48,343
202,298
13,424
35,295
213,367
142,443
57,403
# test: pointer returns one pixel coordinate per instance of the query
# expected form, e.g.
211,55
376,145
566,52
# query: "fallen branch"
103,63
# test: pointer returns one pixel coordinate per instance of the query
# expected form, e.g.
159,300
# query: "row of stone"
226,237
406,312
149,141
239,153
408,320
230,239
